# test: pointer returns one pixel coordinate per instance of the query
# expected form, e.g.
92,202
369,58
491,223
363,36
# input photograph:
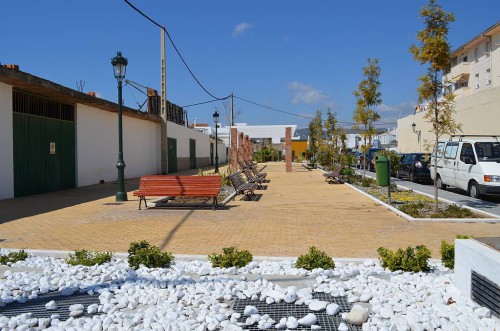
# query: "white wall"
183,134
472,255
478,113
97,146
6,143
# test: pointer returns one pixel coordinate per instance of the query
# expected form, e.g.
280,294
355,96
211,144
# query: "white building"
474,78
54,138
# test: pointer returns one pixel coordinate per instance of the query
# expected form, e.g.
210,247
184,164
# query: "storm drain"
37,306
279,310
486,293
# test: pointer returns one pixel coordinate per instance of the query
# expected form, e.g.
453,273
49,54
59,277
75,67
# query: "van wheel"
474,190
440,184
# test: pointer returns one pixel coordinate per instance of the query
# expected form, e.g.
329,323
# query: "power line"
175,47
274,109
201,103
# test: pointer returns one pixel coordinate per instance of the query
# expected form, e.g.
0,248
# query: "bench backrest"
180,185
236,179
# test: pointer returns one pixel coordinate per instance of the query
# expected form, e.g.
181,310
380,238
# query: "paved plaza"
297,210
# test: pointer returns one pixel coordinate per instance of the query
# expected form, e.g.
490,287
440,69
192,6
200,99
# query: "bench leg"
140,202
215,203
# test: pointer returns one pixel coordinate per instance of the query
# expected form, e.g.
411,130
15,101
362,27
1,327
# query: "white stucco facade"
97,146
473,255
6,143
474,78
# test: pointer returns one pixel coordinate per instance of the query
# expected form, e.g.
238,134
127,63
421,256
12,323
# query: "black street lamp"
120,67
216,121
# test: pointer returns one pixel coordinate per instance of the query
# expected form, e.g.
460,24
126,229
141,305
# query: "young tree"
225,111
331,132
368,96
434,50
315,134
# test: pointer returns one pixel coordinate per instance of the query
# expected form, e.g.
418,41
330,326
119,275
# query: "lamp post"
216,121
120,67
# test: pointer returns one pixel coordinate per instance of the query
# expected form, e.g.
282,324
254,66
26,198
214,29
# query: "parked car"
469,164
415,167
356,162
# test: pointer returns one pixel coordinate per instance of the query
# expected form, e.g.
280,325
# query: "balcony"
459,70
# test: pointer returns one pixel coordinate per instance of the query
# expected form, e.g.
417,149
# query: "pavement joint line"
60,254
494,219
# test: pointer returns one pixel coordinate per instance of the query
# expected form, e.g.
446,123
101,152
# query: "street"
488,203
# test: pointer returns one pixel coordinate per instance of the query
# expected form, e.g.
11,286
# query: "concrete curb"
494,219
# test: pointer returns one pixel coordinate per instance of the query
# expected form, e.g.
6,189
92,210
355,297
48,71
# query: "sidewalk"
296,210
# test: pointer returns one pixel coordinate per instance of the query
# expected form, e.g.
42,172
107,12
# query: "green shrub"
448,252
454,211
231,257
88,258
12,257
410,259
315,258
412,209
367,182
347,172
394,159
150,256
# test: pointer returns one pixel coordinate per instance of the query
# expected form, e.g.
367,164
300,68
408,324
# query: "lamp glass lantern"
119,66
413,126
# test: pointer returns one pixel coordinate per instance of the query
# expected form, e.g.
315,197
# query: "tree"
315,135
331,131
368,96
434,50
225,111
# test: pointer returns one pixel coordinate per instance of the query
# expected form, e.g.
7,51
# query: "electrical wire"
200,103
178,52
274,109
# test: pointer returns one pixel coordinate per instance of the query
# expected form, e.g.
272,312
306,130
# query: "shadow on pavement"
13,209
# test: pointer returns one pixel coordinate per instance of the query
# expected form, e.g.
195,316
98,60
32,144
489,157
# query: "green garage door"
172,155
192,154
44,144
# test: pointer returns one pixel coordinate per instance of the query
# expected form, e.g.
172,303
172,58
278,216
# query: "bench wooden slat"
165,185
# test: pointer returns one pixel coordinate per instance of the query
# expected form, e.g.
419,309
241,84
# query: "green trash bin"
382,169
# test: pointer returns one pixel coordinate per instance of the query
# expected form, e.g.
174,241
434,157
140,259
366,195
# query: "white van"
469,164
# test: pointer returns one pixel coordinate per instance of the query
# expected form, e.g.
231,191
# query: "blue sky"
296,56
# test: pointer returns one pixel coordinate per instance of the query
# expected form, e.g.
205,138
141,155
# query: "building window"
465,59
487,48
488,76
477,80
476,54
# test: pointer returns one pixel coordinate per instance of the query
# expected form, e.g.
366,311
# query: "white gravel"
191,295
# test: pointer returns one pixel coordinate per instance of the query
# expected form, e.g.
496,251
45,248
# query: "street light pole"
216,121
120,66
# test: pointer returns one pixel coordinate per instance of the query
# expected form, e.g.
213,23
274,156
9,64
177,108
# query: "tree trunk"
436,131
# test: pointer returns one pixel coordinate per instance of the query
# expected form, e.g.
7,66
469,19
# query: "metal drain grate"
37,306
486,293
279,310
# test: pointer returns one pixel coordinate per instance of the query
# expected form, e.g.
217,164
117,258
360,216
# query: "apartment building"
474,77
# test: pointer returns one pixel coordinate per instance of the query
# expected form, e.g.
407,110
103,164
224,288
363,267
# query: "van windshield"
487,151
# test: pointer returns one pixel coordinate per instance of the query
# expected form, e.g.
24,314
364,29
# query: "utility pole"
230,126
164,119
232,109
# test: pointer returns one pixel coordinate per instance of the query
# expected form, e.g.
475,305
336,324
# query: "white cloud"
389,114
240,28
404,108
307,94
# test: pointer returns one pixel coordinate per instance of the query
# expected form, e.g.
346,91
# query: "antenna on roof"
80,85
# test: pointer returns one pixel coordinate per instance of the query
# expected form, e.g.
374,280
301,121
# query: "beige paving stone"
297,210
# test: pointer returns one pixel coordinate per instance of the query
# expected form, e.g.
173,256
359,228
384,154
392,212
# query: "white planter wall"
97,146
6,143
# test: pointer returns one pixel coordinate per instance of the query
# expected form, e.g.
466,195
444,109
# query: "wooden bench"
240,186
172,186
